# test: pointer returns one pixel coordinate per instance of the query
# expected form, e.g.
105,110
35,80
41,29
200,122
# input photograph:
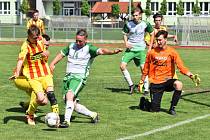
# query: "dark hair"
157,15
82,32
33,29
35,11
162,32
46,37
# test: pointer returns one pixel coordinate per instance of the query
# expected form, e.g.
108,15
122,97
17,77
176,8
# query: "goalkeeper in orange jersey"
33,66
35,20
160,68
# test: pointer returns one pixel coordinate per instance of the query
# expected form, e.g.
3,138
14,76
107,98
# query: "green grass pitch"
106,92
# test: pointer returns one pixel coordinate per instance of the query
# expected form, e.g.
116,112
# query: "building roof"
106,7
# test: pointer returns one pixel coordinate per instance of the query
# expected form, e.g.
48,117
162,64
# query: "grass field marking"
165,128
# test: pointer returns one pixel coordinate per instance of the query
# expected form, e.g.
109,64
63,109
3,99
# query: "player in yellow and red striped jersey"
35,20
36,70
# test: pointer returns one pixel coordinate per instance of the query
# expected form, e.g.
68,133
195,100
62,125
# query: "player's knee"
69,96
41,99
178,85
122,67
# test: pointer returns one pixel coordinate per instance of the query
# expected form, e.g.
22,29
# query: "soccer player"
35,20
158,18
21,81
34,67
133,34
80,55
160,67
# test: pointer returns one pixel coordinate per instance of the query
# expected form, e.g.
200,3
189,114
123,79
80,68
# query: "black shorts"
160,88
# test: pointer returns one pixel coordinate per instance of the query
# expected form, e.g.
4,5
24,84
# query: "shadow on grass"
137,108
22,119
20,109
192,101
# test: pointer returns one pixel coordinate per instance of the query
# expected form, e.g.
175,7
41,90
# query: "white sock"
146,84
69,110
83,110
127,77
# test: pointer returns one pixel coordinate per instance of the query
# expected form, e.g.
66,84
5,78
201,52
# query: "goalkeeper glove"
196,79
140,86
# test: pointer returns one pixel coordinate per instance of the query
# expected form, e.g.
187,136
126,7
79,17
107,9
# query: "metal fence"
99,34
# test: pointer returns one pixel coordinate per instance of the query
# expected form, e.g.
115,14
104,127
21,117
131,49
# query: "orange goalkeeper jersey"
160,65
34,65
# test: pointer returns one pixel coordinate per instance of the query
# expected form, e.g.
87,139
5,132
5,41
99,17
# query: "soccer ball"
52,120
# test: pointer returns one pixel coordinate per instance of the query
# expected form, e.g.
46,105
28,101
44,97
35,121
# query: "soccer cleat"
95,118
24,105
172,111
64,124
55,108
131,89
30,119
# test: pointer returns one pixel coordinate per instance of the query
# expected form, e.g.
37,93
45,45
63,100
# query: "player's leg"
31,109
127,57
71,86
156,91
176,86
139,61
38,98
21,83
47,83
79,108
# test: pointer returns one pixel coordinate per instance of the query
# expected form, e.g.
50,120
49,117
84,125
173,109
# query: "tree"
56,7
196,9
180,8
115,10
24,7
85,8
163,8
148,11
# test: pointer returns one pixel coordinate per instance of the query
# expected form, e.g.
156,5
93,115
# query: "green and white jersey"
79,59
136,33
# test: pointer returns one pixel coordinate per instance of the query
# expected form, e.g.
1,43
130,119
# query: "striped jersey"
136,33
39,23
147,35
79,59
34,64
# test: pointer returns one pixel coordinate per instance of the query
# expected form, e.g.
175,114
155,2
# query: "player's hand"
13,77
140,86
52,67
196,79
118,50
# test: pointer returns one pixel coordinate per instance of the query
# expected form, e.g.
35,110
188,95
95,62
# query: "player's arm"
152,37
125,32
174,37
58,58
104,51
150,30
64,52
43,28
195,77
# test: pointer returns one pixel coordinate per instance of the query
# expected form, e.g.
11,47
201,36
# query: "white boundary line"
165,127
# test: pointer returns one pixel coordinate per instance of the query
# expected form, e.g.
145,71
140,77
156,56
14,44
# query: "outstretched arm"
55,61
174,37
104,51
